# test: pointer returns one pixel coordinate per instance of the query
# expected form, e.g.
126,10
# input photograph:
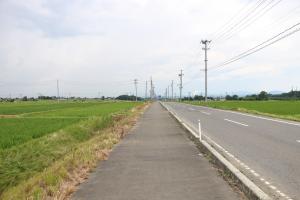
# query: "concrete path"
155,161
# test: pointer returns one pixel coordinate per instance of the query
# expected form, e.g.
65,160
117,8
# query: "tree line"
262,96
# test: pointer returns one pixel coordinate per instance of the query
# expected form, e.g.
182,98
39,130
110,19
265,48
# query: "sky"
98,47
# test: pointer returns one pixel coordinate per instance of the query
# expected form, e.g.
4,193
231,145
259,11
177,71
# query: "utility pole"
205,42
180,85
168,96
135,84
172,90
146,90
152,91
151,88
57,88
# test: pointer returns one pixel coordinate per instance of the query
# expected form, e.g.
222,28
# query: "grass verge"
289,110
53,165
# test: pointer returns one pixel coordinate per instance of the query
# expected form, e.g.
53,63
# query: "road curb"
251,190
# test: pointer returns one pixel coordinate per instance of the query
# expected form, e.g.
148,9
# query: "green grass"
87,111
15,131
51,117
21,162
281,109
42,133
20,107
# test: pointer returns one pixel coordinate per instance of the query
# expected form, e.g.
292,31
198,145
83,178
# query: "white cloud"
100,43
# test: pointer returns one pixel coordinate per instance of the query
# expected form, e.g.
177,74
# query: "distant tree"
235,97
24,98
263,96
228,97
252,97
187,98
199,98
211,98
128,98
45,97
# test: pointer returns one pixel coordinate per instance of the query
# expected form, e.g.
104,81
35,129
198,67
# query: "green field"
40,106
34,135
281,109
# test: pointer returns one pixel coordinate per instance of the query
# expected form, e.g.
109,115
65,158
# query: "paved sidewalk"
155,161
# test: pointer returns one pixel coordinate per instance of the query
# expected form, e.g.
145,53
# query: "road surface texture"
266,148
155,161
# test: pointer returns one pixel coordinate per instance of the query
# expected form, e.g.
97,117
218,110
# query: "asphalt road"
267,148
156,161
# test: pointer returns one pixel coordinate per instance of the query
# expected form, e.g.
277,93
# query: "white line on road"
192,109
298,141
206,113
235,122
254,116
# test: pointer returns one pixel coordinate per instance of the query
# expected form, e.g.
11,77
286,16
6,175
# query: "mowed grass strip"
280,109
29,145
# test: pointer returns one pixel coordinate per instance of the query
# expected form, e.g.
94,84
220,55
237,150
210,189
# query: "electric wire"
245,25
248,14
230,21
261,46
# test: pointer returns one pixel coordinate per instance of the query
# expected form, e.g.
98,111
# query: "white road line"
254,116
192,109
267,183
272,187
282,194
298,141
235,122
206,113
256,174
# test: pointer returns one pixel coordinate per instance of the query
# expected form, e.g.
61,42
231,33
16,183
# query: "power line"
261,46
248,18
283,18
247,23
252,10
230,21
272,38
